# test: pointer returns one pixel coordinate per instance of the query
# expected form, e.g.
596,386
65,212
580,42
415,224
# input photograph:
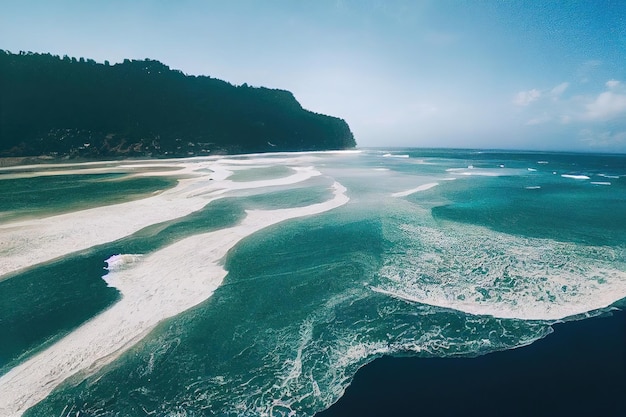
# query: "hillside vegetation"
76,107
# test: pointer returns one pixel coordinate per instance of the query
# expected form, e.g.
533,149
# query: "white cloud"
611,84
559,89
608,105
556,106
603,139
524,98
549,107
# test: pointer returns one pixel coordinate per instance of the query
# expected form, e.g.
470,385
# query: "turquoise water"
486,260
43,303
260,173
29,197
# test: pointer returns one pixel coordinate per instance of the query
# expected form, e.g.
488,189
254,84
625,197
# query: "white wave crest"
391,155
423,187
483,272
486,172
121,261
575,177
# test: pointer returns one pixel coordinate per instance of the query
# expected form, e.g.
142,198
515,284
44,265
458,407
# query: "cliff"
79,108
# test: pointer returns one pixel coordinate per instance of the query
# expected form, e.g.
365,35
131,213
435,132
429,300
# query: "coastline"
578,370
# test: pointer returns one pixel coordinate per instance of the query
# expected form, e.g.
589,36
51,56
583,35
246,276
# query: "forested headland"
68,107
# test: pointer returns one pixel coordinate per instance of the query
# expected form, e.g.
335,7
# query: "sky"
535,75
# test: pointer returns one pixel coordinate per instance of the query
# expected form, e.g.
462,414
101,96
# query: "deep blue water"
579,370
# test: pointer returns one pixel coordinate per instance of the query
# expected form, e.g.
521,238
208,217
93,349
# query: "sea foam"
30,242
121,261
575,177
162,285
487,172
423,187
391,155
483,272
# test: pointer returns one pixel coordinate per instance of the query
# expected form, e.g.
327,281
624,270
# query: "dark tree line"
64,106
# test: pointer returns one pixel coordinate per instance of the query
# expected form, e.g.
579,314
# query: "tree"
57,105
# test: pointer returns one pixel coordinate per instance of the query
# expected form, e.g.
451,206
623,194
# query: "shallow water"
436,254
46,195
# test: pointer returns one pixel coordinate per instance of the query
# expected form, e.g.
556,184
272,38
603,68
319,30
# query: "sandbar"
155,287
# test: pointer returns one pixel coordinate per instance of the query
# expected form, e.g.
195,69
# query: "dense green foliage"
64,106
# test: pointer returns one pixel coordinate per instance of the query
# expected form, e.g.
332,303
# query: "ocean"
260,285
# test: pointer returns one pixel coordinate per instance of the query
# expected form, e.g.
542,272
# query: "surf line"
423,187
158,286
30,242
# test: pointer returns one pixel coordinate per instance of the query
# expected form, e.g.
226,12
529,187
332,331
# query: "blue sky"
539,74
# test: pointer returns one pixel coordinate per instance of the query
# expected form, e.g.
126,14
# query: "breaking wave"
483,272
120,262
575,177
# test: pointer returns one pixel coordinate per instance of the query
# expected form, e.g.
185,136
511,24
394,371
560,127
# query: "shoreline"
578,370
21,161
25,243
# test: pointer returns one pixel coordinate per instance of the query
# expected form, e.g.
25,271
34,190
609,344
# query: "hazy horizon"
450,74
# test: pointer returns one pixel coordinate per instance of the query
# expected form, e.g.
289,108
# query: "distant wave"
389,155
415,190
575,177
486,172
